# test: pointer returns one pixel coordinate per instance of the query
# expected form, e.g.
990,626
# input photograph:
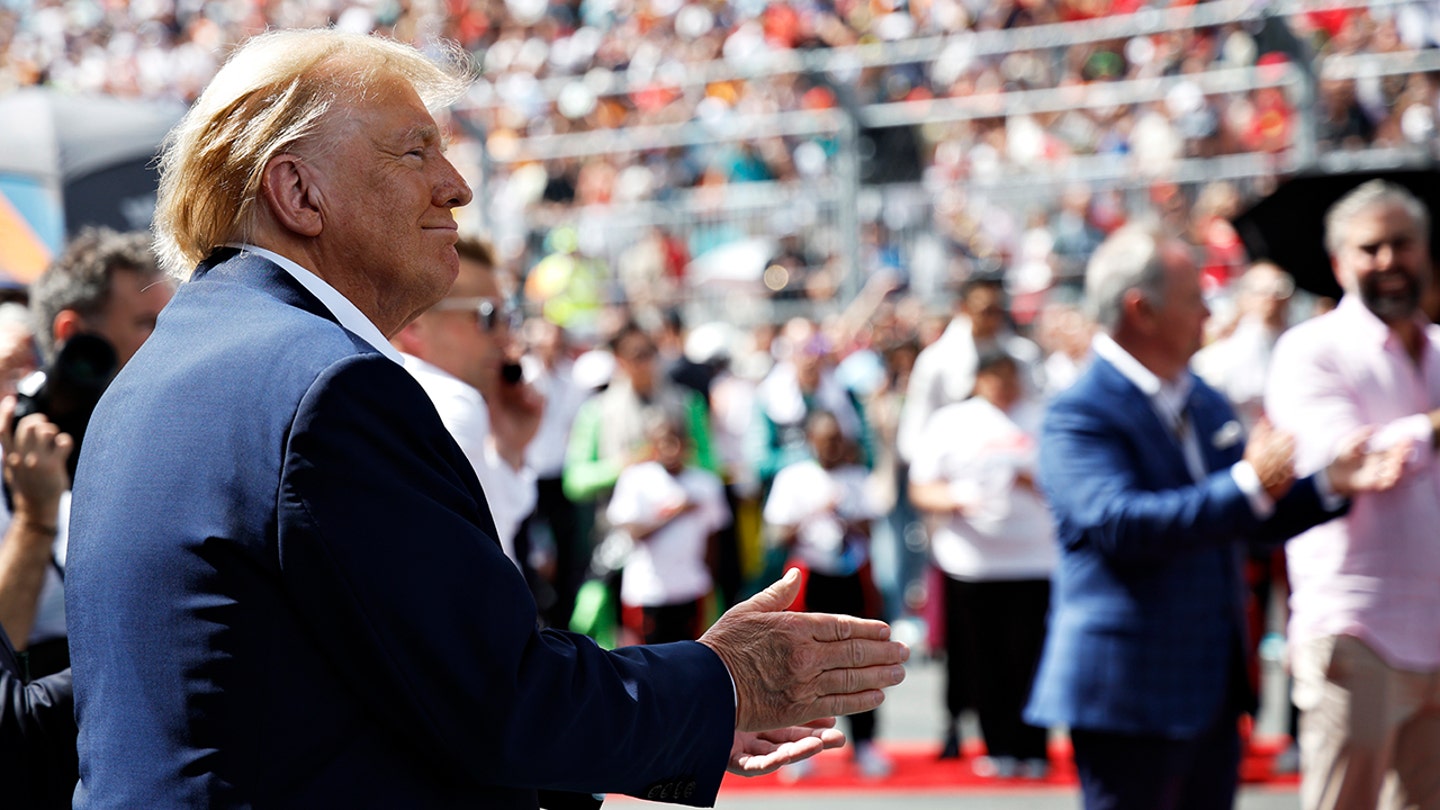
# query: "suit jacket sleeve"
435,630
39,765
1103,498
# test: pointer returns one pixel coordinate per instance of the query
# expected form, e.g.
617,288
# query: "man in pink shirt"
1365,604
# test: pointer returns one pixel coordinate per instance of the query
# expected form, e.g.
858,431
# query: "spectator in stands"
975,468
461,351
671,510
1364,643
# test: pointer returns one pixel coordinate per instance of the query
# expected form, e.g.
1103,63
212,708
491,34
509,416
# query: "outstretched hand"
1357,468
756,753
794,668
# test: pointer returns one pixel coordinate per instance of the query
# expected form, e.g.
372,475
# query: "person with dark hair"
609,435
995,544
944,372
671,511
105,286
286,586
820,510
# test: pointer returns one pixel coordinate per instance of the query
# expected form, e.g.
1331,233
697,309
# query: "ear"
1135,308
67,324
289,186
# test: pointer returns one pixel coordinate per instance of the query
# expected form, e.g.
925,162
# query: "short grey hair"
1129,259
1366,196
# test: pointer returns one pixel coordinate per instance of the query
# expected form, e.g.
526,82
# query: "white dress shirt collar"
344,311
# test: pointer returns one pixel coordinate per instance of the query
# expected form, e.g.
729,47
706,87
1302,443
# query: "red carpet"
917,769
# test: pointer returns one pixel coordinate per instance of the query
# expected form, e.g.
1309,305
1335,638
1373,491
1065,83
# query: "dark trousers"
1000,631
1137,772
662,624
558,514
851,595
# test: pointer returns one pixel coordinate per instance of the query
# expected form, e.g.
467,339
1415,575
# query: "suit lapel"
1157,442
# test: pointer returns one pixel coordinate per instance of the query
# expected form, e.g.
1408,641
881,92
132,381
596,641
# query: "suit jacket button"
689,789
653,794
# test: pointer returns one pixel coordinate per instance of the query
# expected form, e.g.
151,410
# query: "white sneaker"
1037,769
872,762
988,767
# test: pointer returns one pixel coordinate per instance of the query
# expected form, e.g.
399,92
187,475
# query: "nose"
451,190
1385,257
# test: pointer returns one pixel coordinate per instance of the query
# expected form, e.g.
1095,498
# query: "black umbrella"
1288,227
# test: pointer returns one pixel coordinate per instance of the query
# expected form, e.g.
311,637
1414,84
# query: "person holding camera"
460,353
92,309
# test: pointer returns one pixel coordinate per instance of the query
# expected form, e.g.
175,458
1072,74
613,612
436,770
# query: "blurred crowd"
563,68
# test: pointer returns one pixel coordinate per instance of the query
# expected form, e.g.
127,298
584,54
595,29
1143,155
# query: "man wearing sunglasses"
458,351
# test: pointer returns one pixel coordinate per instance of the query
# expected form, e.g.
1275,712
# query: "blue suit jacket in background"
1146,629
284,591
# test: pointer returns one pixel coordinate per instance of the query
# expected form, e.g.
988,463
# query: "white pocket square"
1228,435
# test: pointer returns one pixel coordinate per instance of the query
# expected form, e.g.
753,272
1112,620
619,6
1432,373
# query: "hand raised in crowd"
1359,468
756,753
1271,453
515,412
794,668
35,455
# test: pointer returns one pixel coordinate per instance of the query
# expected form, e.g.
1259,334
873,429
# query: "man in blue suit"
1155,493
285,587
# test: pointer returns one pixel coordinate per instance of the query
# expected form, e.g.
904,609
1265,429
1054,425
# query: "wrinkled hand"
1271,454
793,668
1357,468
756,753
34,461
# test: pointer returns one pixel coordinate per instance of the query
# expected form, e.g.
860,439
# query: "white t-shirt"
510,493
818,502
668,567
1006,532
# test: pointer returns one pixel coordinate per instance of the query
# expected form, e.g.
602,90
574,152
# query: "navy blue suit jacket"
284,591
1146,627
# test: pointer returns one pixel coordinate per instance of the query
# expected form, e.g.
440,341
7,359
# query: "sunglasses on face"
489,312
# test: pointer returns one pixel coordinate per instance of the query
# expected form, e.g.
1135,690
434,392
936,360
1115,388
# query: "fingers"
779,596
829,627
855,681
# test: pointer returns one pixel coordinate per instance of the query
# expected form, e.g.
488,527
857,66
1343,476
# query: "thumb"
780,595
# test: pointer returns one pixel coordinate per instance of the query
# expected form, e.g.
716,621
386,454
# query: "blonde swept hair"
270,95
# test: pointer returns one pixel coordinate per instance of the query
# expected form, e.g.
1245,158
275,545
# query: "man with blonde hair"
286,585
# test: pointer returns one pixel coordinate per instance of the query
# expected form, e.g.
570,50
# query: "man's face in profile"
1385,260
385,191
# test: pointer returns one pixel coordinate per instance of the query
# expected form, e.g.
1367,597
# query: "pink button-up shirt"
1375,573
